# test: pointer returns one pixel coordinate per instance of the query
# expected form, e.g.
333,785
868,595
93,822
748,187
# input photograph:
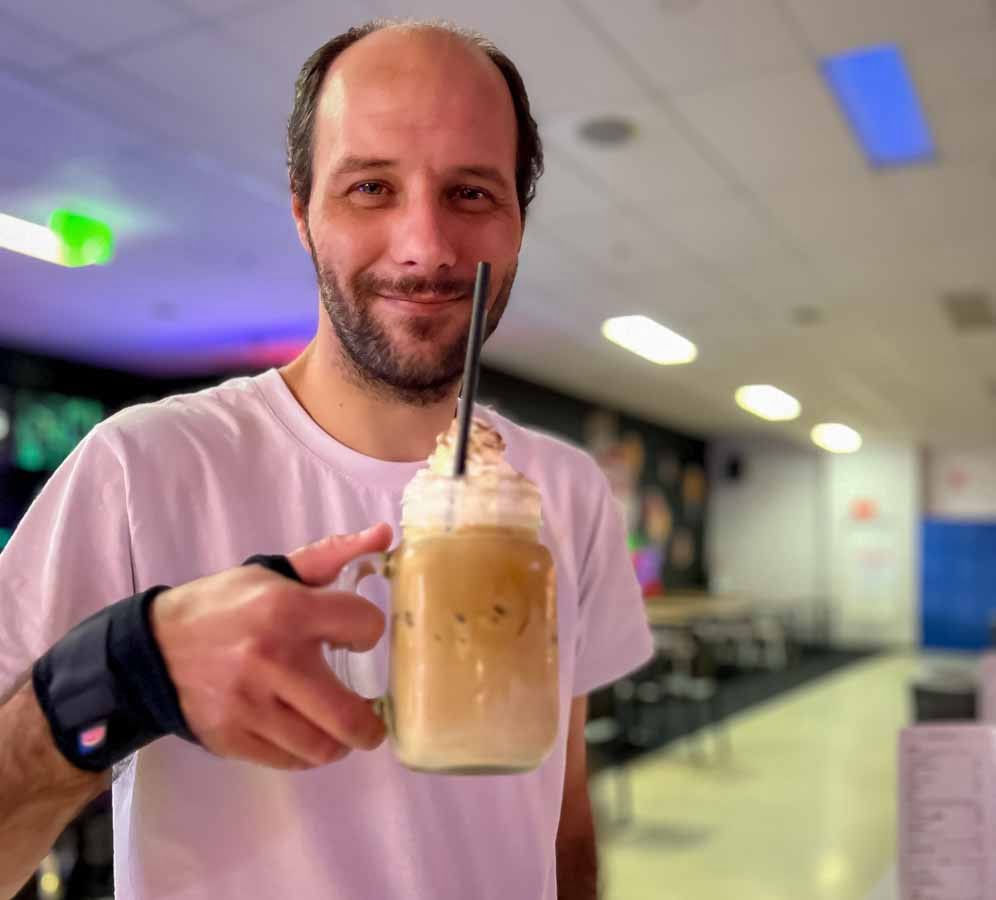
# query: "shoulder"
552,462
228,411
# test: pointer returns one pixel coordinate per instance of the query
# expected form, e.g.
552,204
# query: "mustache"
366,283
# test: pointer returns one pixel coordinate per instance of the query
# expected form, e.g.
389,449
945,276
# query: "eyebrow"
352,164
487,173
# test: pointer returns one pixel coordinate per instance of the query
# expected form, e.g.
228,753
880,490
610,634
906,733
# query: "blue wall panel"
958,587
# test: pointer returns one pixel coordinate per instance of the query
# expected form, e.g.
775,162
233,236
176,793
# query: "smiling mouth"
431,300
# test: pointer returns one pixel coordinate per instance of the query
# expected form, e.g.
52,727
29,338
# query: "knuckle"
271,606
266,646
355,719
378,619
330,751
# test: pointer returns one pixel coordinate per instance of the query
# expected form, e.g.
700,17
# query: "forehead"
408,93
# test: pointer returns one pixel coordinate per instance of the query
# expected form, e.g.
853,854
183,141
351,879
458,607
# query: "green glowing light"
85,241
48,426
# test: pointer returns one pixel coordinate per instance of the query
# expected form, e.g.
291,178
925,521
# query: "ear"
300,213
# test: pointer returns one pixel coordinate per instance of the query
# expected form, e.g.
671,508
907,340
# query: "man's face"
414,183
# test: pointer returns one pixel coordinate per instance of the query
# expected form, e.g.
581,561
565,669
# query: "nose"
421,242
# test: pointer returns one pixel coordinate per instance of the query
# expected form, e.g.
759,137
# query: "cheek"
499,243
346,241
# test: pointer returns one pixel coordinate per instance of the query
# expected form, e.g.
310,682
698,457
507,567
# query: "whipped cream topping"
490,493
485,452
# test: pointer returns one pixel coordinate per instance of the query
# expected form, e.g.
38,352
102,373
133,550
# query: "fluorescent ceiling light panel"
30,239
69,240
768,402
836,438
649,339
879,101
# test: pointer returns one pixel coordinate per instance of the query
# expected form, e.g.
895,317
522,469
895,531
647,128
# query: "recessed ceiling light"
768,402
836,438
607,131
807,315
649,339
678,6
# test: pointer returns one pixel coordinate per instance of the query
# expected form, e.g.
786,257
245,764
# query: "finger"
320,562
289,731
341,619
251,747
315,693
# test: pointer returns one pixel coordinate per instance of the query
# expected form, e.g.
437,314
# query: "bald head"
466,78
401,53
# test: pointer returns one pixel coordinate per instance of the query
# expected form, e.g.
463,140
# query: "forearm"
577,868
40,792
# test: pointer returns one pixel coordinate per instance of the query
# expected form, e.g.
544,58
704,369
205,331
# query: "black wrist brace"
105,688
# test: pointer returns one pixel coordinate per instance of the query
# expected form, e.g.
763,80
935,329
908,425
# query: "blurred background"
803,190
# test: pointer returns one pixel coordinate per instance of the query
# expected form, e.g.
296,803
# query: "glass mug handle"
348,581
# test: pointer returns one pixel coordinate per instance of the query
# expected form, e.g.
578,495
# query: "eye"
465,192
370,188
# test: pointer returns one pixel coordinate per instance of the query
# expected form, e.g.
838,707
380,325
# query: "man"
412,155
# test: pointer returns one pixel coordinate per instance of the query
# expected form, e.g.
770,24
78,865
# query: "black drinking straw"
471,368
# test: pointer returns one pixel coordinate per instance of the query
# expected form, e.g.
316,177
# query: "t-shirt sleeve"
614,635
69,556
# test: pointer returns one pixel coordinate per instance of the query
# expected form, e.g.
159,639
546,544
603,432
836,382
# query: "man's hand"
243,648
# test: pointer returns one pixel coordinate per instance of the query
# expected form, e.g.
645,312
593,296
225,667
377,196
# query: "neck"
364,420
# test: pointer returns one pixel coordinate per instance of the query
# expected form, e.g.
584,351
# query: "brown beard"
373,359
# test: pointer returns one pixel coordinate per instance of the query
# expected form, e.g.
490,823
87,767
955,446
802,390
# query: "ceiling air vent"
969,310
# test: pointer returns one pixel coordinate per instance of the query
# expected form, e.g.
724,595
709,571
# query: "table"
682,608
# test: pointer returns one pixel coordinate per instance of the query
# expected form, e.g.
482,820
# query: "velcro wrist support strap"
105,688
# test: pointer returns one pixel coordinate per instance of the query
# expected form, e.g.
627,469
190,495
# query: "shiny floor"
802,808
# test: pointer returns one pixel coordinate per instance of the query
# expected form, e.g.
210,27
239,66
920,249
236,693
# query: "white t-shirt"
167,492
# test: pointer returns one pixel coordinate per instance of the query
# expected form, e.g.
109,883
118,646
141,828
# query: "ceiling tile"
220,97
658,166
703,44
564,67
954,69
965,133
561,191
943,203
837,217
50,131
616,243
956,77
212,9
721,227
845,24
24,47
578,292
757,128
286,37
778,284
95,28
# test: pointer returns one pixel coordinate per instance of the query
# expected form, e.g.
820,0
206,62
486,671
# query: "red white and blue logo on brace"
92,738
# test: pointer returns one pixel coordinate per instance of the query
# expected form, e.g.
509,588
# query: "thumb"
320,562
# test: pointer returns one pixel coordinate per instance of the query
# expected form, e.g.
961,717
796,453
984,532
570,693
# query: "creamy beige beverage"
474,663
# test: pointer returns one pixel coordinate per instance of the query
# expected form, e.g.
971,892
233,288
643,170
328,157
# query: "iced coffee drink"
473,673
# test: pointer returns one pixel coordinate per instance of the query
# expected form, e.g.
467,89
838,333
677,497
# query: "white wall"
785,534
875,564
763,530
961,484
